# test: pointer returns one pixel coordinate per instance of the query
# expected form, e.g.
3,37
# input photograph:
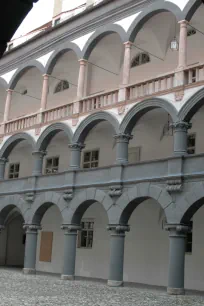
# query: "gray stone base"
175,291
29,271
67,277
113,283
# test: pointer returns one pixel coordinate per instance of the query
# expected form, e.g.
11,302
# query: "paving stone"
17,289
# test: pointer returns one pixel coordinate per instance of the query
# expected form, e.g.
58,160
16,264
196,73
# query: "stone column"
7,104
81,79
182,56
127,63
75,158
117,241
70,238
30,248
45,90
38,162
122,141
3,162
177,247
180,130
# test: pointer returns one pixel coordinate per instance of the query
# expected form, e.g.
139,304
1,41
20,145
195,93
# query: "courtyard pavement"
17,289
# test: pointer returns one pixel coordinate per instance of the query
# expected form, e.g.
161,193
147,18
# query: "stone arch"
99,34
192,105
24,68
189,203
3,83
59,52
10,202
42,203
81,202
191,8
12,141
141,108
89,122
128,201
50,132
152,10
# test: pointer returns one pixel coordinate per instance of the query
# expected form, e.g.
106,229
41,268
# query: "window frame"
52,158
60,85
90,161
140,57
79,235
192,147
139,148
14,171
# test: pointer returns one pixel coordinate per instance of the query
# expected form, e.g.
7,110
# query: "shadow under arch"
8,203
149,12
22,70
89,122
47,135
12,141
100,34
59,52
141,108
192,105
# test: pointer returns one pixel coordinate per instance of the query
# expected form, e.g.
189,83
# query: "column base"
112,283
67,277
176,291
29,271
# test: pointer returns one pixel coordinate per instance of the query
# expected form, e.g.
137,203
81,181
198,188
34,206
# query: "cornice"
111,16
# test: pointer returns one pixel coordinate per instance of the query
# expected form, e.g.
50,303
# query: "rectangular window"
57,21
91,159
52,165
191,143
14,170
189,240
85,235
134,155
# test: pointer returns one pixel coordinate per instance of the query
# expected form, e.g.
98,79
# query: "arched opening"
12,238
3,95
92,256
153,40
105,64
27,89
63,79
50,238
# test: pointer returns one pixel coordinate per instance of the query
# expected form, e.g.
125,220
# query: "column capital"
177,230
183,22
76,146
181,126
128,44
3,160
117,229
82,61
46,76
9,90
41,154
70,228
32,228
122,137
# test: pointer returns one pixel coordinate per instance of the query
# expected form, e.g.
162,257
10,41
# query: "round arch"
101,33
10,202
81,202
23,69
12,141
152,10
42,203
89,122
192,105
3,83
141,108
59,52
128,201
191,8
50,132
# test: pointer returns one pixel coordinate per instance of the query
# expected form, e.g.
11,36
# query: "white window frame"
79,237
54,169
90,161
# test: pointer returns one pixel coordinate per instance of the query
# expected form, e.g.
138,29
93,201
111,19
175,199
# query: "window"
14,170
140,59
10,46
191,32
85,235
62,85
134,154
91,159
52,164
191,143
189,240
56,21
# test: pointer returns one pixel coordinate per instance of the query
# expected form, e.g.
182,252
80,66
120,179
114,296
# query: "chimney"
57,7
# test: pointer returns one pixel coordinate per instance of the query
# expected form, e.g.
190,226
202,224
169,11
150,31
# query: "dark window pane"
87,156
94,165
56,161
83,238
86,166
95,155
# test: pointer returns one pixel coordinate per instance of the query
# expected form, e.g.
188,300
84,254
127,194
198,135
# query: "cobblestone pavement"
17,289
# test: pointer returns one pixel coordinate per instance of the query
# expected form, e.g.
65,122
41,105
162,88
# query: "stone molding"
118,229
123,137
76,146
34,228
177,230
181,126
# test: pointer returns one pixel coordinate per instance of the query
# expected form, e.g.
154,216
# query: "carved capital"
3,160
39,154
123,137
30,197
68,195
181,126
70,228
177,230
32,227
76,146
115,191
174,185
179,95
117,229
